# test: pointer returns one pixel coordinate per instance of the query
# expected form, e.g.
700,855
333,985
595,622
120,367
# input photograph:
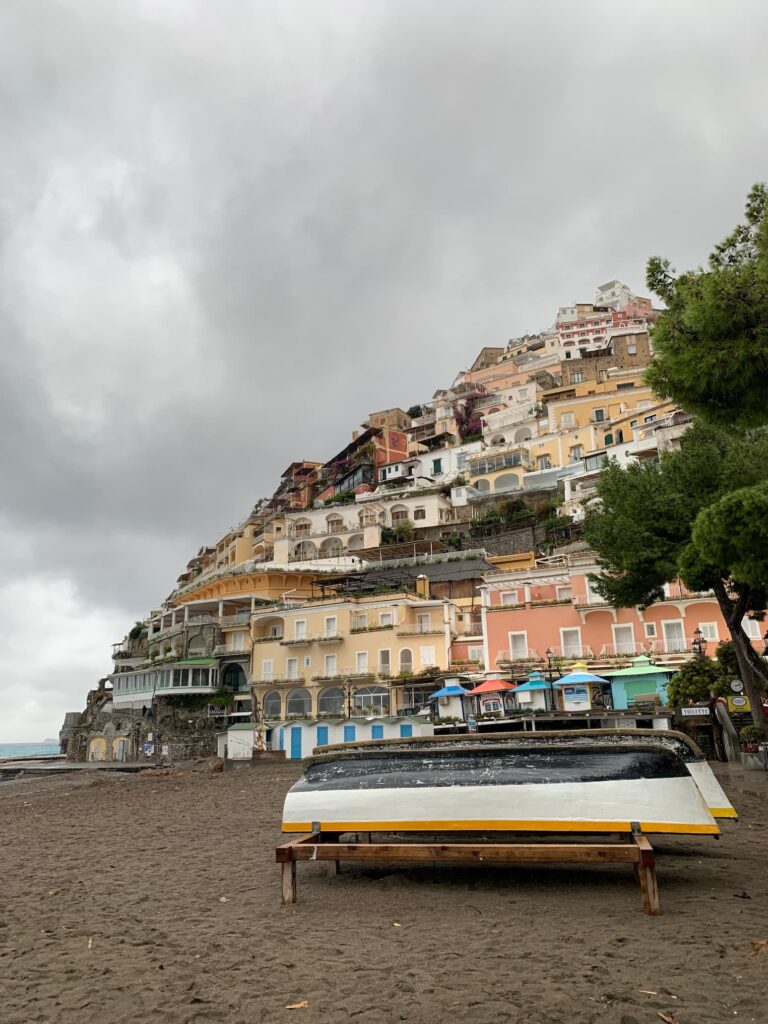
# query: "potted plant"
751,737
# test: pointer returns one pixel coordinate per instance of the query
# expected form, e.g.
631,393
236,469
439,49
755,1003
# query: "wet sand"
133,899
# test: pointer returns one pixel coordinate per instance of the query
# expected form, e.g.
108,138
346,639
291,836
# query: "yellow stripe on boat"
525,825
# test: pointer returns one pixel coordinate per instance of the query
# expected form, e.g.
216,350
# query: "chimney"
422,586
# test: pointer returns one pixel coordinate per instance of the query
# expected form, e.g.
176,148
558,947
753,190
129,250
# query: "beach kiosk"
450,701
535,694
494,696
581,690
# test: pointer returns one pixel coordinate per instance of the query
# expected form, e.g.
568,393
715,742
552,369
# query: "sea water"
28,749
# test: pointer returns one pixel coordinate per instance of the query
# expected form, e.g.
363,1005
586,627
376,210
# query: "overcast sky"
230,230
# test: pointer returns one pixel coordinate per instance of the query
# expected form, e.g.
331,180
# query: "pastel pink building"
528,613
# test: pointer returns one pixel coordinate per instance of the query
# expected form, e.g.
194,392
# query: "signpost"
695,712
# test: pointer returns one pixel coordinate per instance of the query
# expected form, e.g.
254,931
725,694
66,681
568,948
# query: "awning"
493,686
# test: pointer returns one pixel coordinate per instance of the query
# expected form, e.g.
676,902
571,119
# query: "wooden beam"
462,852
647,874
288,880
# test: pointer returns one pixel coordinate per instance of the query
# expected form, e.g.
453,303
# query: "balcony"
268,639
570,652
282,681
297,641
343,674
509,658
221,651
329,638
421,631
167,631
201,620
239,619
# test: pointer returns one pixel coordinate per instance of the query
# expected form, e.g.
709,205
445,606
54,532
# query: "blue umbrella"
449,691
579,677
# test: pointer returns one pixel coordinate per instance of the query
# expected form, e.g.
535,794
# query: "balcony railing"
201,620
570,652
628,649
268,639
297,641
220,650
510,658
238,619
420,631
166,631
325,531
281,680
346,673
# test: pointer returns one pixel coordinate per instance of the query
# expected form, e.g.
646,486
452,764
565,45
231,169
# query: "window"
437,467
608,440
649,419
406,660
570,642
427,657
566,419
518,645
419,513
575,453
751,627
276,630
385,618
423,622
577,377
292,668
385,663
267,671
329,665
299,702
330,625
300,629
361,661
674,636
563,593
599,415
508,597
544,462
359,620
475,654
650,630
399,515
631,348
627,386
331,701
372,699
709,631
623,639
177,676
644,403
272,705
199,676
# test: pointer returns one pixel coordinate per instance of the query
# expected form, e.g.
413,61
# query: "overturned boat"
590,782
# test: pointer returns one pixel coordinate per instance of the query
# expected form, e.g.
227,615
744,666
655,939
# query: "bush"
697,681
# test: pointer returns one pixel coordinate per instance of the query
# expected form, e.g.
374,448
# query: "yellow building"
348,654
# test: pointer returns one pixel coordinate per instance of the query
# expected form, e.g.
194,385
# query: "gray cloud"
230,231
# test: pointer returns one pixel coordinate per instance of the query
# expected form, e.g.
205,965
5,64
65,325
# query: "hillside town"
429,576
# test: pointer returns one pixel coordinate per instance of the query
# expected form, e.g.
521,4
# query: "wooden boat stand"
629,848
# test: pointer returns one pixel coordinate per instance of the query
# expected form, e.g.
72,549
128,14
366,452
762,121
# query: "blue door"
322,735
296,742
406,730
281,745
349,733
377,732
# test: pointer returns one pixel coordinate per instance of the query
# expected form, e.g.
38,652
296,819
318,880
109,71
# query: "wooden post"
647,874
333,868
288,878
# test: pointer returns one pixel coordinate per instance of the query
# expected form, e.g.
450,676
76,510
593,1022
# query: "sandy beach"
138,899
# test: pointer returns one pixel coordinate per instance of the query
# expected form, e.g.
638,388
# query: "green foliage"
414,411
734,532
751,734
698,680
711,343
643,526
345,498
400,533
136,631
454,541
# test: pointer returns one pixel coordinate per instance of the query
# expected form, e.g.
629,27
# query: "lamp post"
698,644
549,652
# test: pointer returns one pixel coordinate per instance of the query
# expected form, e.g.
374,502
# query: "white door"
427,656
570,640
624,639
674,636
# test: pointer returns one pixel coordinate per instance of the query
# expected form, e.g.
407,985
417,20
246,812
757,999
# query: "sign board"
165,750
472,724
149,749
692,712
739,704
737,686
576,698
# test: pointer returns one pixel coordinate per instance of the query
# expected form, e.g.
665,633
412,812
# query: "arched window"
331,548
356,542
334,523
406,660
299,702
196,645
619,437
608,440
272,705
497,439
331,701
522,434
507,482
399,513
304,551
234,679
302,528
372,700
482,485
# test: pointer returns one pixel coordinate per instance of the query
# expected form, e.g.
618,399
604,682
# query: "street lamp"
549,652
698,644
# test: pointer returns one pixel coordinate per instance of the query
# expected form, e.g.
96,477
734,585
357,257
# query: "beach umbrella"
454,690
493,686
579,677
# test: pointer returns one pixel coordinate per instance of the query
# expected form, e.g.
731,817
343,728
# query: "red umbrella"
493,686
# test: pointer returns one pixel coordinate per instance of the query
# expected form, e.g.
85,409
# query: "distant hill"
47,743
